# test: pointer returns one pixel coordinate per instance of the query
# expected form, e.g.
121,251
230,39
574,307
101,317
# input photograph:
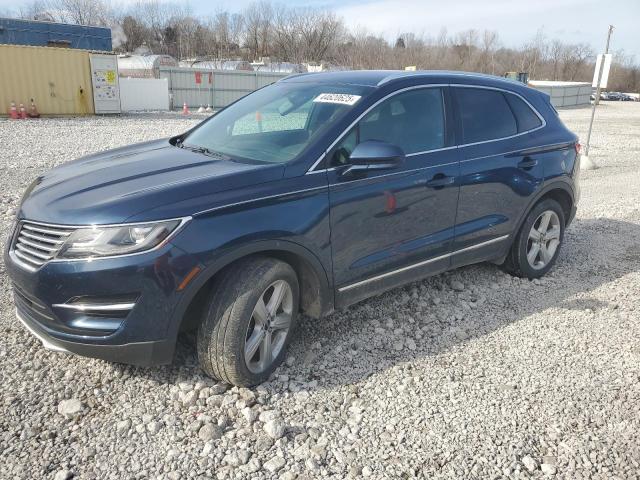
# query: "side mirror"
374,155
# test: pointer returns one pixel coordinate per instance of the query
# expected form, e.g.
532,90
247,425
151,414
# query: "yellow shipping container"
58,79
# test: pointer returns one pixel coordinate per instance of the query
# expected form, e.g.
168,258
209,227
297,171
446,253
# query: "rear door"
391,226
498,174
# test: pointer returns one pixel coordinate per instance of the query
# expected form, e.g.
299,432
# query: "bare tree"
258,19
465,47
556,52
306,34
36,10
136,34
533,53
487,62
575,60
81,12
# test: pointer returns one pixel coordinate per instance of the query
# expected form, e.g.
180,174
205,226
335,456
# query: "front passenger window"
412,120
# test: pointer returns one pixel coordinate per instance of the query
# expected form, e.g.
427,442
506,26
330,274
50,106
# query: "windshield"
276,123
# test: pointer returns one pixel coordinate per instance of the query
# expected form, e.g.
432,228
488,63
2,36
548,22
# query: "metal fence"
217,88
565,94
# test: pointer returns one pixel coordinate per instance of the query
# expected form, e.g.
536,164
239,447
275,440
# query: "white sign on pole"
605,71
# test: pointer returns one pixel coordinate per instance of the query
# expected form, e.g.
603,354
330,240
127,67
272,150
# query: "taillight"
578,147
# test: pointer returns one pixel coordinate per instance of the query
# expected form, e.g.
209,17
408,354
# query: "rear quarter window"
485,115
525,117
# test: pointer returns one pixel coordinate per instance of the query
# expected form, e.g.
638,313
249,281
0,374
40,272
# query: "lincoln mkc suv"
305,196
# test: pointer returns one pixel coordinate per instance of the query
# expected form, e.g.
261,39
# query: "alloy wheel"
269,326
544,239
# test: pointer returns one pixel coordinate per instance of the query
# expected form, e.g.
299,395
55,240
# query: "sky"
516,21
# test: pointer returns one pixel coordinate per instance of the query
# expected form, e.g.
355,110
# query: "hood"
113,186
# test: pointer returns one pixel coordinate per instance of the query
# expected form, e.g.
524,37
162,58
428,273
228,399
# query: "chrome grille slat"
25,241
37,244
28,258
40,238
48,230
31,251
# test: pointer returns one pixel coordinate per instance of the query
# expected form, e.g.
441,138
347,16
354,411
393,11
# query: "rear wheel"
249,322
538,242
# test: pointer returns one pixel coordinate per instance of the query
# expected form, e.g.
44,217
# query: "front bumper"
144,354
143,335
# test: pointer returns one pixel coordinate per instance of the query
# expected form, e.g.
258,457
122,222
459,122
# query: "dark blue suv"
308,195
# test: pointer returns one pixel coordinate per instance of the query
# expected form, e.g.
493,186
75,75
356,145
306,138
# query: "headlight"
119,240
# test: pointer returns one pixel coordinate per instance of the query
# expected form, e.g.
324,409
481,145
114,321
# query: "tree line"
311,35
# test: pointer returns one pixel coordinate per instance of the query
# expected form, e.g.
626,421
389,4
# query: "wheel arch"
564,198
560,191
316,293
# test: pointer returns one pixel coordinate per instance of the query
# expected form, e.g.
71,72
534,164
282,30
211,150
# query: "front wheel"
538,242
249,322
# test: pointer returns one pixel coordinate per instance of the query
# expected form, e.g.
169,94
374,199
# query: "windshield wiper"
203,150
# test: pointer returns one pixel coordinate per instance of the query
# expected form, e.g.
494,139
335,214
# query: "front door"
393,226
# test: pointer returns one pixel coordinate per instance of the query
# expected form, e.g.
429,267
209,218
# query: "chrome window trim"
12,255
420,264
453,147
311,170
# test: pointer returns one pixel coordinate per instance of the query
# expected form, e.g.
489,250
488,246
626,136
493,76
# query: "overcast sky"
516,21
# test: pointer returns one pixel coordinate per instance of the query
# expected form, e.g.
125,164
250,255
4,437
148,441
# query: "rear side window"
525,117
485,115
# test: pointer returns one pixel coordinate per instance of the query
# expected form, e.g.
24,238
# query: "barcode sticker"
341,98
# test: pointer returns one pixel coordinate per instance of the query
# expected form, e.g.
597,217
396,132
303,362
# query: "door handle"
440,180
527,163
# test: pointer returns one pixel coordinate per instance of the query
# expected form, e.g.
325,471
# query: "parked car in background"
614,96
626,98
308,195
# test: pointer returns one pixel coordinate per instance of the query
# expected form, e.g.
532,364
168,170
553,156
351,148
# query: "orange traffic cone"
23,112
33,111
185,109
13,111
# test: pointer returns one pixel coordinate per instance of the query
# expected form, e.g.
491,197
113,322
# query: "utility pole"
597,96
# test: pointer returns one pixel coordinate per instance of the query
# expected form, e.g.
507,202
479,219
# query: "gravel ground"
471,374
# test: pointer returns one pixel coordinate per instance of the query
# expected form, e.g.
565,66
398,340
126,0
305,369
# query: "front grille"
36,244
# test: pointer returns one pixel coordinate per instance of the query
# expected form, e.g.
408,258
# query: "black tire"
516,262
229,317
